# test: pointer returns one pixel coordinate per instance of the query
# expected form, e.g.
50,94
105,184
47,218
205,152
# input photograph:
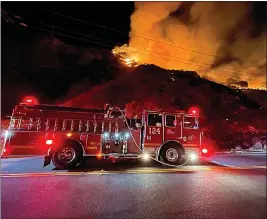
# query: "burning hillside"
226,111
216,39
124,57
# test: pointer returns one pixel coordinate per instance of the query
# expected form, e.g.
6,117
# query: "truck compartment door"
19,143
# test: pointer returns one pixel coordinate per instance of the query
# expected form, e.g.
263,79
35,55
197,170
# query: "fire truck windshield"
190,122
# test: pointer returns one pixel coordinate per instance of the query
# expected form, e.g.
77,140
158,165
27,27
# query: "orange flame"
198,44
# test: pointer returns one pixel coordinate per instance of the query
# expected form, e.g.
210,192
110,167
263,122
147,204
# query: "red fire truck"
66,135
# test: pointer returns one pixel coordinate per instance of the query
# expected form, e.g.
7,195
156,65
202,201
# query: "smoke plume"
217,39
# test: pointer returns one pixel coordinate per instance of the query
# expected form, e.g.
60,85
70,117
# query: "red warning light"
193,110
30,100
69,134
49,142
204,151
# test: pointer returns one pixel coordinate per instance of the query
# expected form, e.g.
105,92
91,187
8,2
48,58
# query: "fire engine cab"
66,135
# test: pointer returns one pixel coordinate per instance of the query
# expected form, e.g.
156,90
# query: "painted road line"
93,173
133,171
10,175
69,173
157,171
98,173
26,174
104,172
199,167
33,174
170,170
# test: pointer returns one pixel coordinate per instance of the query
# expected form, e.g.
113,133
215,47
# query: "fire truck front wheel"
171,154
68,156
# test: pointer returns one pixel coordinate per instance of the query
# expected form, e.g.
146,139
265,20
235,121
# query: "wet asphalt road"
134,191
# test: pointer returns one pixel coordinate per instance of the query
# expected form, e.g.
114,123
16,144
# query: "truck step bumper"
47,160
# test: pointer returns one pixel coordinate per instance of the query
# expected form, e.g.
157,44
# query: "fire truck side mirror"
106,107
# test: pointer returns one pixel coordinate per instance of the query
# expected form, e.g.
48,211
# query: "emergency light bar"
30,100
193,110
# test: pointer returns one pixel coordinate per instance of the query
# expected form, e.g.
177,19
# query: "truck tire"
68,156
171,154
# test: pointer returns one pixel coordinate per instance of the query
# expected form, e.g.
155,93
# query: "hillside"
260,96
229,116
49,68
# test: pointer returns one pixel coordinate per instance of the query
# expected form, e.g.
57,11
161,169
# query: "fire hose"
163,163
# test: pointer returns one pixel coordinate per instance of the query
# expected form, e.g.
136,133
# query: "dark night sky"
22,71
111,14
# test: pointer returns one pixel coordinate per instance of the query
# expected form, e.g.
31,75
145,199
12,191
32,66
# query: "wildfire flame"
129,58
183,36
130,61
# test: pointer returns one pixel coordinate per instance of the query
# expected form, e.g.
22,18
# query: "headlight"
7,133
145,156
117,135
192,156
106,134
126,135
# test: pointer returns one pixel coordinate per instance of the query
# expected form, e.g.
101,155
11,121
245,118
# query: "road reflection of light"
244,184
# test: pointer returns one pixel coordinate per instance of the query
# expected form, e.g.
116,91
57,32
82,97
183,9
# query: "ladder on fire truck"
64,125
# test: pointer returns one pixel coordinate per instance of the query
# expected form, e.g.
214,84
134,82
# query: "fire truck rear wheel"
171,154
68,156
